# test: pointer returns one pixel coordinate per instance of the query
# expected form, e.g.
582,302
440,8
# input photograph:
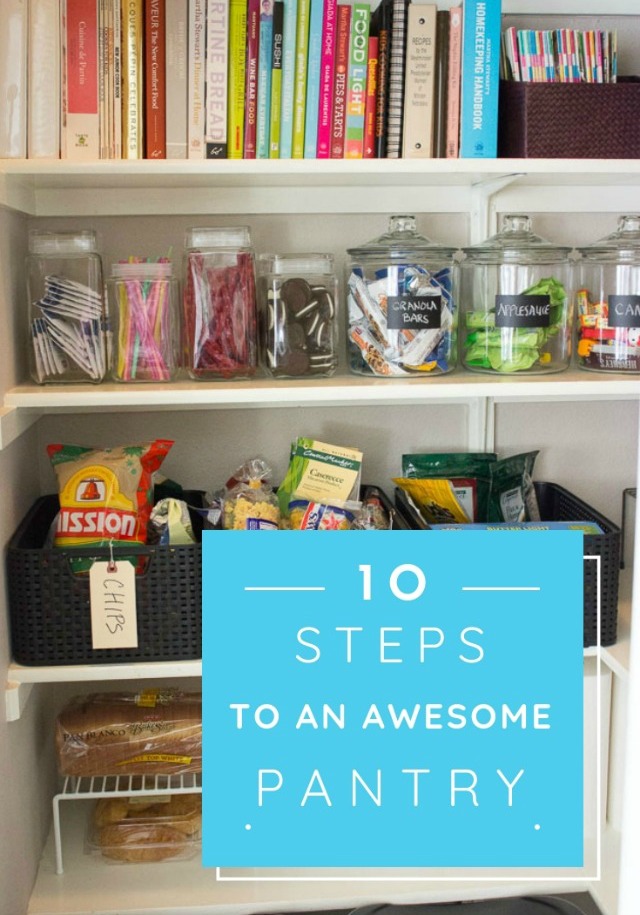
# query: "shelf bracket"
13,422
16,697
483,216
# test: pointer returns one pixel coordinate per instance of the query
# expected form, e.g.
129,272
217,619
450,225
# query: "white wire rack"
97,786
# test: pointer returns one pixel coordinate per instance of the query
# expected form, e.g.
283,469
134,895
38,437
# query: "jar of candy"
298,296
144,304
515,297
401,298
68,332
608,301
220,330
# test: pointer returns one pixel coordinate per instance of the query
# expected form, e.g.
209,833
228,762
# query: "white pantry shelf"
345,390
90,885
148,187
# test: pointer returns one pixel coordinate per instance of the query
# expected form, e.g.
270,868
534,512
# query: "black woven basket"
569,120
49,608
558,504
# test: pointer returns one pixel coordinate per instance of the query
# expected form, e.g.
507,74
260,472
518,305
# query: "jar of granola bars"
608,301
401,302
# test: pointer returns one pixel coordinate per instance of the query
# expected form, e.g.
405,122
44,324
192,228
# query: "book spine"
276,80
383,28
313,79
327,70
370,103
251,79
155,124
264,77
237,73
288,77
418,118
176,63
43,131
109,77
479,85
215,123
396,79
338,122
300,83
441,71
102,80
453,88
83,116
117,80
195,79
357,85
132,80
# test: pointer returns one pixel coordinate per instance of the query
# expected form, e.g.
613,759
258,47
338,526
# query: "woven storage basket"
569,120
49,609
558,504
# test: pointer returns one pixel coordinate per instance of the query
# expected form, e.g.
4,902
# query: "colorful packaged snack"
512,496
317,472
106,495
314,516
250,504
448,488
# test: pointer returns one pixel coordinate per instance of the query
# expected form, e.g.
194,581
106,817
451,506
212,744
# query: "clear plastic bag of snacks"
251,504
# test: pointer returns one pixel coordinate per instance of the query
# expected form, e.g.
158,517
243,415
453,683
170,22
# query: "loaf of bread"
147,733
144,829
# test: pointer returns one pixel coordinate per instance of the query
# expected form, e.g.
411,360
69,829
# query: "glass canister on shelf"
608,301
219,304
298,297
68,330
515,298
144,305
401,297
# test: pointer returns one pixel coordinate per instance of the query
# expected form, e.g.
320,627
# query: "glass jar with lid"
298,296
401,296
219,327
608,301
68,332
515,296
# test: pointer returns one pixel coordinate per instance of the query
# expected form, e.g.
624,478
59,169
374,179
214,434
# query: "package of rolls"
141,830
152,732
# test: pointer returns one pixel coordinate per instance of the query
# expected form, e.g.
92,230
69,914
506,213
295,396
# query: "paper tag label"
523,311
414,312
624,310
114,622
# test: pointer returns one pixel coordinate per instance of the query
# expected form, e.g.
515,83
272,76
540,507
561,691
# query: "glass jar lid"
295,263
621,245
516,243
402,242
218,237
54,243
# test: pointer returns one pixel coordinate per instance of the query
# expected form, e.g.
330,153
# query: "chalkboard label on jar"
523,311
624,311
414,312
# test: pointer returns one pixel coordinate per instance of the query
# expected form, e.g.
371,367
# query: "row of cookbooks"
111,79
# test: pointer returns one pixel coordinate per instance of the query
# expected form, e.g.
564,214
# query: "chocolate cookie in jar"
608,301
515,297
401,297
220,325
298,296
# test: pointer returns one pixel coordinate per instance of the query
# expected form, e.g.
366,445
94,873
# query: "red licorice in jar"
220,304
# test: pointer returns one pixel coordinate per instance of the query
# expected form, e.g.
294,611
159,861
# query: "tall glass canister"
220,320
68,332
401,303
515,296
608,301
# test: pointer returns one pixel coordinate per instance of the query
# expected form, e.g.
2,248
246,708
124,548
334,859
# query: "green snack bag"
512,495
468,475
